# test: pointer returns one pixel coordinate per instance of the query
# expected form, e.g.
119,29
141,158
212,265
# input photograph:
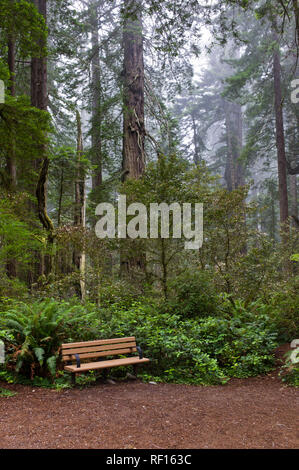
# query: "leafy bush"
194,294
6,393
118,292
205,351
284,309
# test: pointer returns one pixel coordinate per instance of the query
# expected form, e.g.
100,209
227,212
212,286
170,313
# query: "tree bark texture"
133,93
96,146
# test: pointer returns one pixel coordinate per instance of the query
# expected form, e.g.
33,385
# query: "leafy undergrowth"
6,393
203,351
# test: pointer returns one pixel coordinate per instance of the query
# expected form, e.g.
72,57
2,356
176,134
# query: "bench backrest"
98,348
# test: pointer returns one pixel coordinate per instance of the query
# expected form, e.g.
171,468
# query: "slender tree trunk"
280,140
80,177
195,141
229,174
296,14
133,92
294,198
293,152
60,195
80,206
96,146
234,170
39,92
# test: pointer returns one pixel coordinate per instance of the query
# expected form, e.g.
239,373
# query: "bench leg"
73,379
135,370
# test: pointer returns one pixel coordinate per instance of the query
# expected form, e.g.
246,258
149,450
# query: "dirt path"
249,413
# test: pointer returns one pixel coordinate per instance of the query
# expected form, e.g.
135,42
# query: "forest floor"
257,412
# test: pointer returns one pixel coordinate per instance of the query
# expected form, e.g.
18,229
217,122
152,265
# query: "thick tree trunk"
133,118
133,93
11,157
11,66
11,166
280,140
96,146
39,99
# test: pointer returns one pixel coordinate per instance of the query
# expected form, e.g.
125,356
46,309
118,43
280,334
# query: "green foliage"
21,20
24,128
18,239
118,292
60,382
205,351
32,334
282,306
6,393
194,294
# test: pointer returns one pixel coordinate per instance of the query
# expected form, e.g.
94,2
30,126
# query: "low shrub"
6,393
194,295
201,351
284,310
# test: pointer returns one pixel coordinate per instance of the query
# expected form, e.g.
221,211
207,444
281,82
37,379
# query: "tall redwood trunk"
11,166
133,92
96,146
133,121
280,140
39,99
11,157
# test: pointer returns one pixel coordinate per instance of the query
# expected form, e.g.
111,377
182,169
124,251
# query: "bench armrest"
78,360
139,352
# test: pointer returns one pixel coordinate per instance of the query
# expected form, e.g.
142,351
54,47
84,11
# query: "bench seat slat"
99,342
90,349
113,352
106,364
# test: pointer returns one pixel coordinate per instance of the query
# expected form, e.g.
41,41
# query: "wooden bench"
78,355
